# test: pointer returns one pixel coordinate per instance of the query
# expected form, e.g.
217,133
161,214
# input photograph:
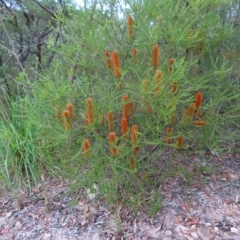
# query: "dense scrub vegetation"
96,94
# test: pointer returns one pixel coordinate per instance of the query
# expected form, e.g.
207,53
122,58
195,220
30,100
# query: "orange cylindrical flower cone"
134,55
174,87
158,78
116,64
168,135
112,142
191,111
67,122
86,147
108,59
200,123
124,125
155,56
180,142
144,85
132,163
110,121
125,106
130,27
89,110
198,99
170,63
134,132
70,108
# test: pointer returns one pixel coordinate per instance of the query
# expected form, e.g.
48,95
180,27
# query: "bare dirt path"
198,211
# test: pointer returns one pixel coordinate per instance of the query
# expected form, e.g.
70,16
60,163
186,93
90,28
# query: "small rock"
168,233
18,224
194,235
46,236
234,230
9,214
216,229
208,224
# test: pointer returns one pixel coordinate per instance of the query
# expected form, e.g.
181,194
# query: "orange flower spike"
70,108
170,63
132,163
168,135
144,85
116,64
155,56
198,99
158,78
89,110
112,141
110,121
108,59
180,142
66,114
134,55
125,107
200,123
134,136
174,87
191,111
130,27
130,109
86,147
124,125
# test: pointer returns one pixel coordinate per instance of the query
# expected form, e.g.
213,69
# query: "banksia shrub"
130,27
116,64
108,60
86,147
198,99
124,126
110,121
112,142
155,56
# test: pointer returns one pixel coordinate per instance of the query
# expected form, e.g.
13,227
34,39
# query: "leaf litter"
205,211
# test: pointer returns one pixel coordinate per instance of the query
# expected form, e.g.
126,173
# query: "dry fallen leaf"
233,177
204,234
